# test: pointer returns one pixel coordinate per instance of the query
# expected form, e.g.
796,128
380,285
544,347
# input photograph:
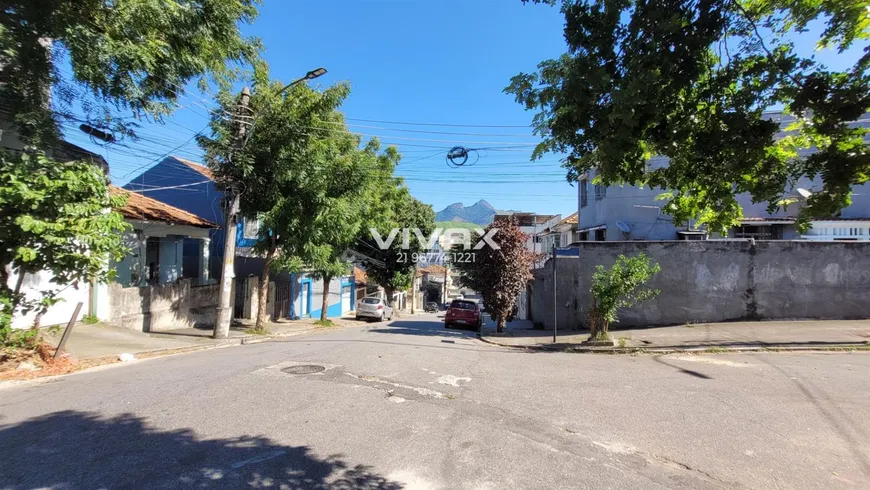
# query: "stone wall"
714,281
165,307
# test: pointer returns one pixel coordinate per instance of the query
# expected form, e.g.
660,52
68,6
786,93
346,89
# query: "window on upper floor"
582,236
583,193
600,192
251,228
601,235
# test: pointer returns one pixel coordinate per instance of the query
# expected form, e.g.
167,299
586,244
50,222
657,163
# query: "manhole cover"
303,369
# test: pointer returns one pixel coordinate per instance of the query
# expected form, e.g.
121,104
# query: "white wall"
58,314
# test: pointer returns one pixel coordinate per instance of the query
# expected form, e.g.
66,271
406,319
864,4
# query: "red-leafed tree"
500,274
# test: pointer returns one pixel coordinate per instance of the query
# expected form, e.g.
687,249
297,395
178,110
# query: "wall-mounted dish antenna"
624,228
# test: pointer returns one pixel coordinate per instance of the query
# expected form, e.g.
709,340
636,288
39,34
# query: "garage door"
345,299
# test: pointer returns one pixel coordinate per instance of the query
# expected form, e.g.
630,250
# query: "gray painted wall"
714,281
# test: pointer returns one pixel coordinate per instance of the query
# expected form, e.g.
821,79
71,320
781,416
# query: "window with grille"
583,197
759,232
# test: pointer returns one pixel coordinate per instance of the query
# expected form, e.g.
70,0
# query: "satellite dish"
623,227
804,193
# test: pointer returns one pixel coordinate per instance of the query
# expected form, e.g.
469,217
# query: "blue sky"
434,63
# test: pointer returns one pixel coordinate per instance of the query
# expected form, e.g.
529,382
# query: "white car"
375,308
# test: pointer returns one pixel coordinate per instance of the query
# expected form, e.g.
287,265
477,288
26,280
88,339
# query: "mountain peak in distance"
480,213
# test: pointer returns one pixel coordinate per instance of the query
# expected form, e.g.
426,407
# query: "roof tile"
145,208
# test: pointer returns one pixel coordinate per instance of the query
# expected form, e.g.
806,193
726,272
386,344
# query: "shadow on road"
425,328
83,450
683,370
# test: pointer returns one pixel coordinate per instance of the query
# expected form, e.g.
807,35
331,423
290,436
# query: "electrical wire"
435,124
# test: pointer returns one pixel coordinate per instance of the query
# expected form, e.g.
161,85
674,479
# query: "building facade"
616,213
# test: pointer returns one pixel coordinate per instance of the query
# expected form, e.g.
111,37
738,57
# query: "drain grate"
303,369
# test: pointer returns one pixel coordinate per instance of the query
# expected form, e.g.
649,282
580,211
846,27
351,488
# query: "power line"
404,123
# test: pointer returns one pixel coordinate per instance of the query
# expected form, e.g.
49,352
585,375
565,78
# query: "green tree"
620,286
690,80
498,275
126,55
303,175
393,267
55,218
344,218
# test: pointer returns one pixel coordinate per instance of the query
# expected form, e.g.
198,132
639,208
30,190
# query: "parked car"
374,308
430,306
463,313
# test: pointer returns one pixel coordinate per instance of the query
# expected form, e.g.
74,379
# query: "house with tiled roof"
166,243
190,186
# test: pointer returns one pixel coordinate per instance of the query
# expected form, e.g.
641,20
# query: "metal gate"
241,294
282,300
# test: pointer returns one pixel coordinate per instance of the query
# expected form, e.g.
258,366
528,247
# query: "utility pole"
555,306
224,311
444,296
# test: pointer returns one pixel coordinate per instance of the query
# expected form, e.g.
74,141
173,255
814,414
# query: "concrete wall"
164,307
714,281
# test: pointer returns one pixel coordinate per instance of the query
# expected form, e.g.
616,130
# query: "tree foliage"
303,175
690,80
498,275
126,55
393,267
54,217
620,286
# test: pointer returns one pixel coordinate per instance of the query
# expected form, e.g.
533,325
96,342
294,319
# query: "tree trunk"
263,292
19,282
597,324
500,322
326,281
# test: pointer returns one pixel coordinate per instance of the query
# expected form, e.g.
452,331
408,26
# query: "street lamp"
311,75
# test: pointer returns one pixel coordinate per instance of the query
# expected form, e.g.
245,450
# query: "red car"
463,313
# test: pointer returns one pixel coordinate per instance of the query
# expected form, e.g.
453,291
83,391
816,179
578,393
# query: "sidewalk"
102,340
795,334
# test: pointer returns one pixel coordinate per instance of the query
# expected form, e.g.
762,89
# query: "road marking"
420,391
709,360
449,379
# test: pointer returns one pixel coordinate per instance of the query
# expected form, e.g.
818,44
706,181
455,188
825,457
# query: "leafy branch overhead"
691,80
126,55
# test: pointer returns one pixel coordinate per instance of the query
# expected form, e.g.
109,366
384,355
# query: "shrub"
620,286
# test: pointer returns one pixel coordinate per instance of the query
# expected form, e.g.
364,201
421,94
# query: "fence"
714,281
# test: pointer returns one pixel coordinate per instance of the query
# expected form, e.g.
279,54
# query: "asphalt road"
412,405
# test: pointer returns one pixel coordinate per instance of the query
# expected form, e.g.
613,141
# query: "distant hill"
481,213
457,224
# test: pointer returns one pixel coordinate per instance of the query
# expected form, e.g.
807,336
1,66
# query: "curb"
104,361
712,349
